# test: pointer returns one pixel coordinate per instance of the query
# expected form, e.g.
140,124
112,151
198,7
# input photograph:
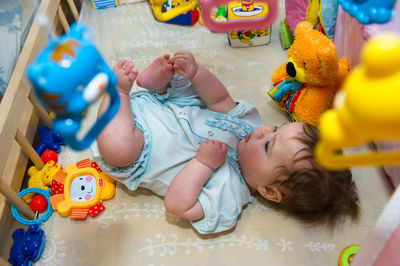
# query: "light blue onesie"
173,126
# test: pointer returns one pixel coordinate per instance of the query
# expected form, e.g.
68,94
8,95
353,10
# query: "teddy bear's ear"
327,56
303,28
329,64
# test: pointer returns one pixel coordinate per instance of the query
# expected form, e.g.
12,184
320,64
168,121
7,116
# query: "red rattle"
39,203
49,155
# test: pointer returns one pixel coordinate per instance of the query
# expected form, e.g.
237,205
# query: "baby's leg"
121,142
157,75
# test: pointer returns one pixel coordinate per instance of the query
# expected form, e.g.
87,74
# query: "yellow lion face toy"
84,188
366,108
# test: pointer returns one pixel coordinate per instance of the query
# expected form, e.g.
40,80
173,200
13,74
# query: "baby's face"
268,147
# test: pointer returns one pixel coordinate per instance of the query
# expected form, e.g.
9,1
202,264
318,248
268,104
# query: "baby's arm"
210,89
183,193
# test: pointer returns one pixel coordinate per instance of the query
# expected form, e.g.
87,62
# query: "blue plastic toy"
69,75
369,11
49,140
45,217
28,246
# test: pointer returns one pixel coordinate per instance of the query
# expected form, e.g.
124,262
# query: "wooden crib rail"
20,113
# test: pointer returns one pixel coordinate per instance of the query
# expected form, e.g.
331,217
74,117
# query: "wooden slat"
14,171
4,262
63,19
73,9
12,196
17,159
44,116
28,149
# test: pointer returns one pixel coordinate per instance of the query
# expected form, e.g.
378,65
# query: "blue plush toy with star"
49,140
27,247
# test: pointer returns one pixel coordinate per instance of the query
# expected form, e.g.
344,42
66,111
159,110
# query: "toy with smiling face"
85,186
366,109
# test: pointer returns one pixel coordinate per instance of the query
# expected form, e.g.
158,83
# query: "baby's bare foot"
157,75
126,74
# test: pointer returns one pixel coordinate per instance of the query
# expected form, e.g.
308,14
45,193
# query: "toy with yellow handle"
182,8
366,109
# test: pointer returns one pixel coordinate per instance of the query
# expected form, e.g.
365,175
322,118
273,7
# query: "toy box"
248,38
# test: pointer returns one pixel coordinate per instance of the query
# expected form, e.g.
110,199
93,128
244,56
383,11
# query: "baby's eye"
266,146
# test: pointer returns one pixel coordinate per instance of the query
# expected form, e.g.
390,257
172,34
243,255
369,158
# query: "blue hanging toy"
369,11
69,75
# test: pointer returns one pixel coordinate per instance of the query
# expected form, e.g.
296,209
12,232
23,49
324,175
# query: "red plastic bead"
39,203
49,155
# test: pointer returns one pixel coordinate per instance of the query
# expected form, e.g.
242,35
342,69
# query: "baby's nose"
265,130
269,128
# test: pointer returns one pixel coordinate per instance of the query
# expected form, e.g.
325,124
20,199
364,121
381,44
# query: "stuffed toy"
28,245
41,178
49,140
306,85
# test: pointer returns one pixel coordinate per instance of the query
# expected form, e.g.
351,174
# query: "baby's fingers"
218,144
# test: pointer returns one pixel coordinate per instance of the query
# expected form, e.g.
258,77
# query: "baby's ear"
270,192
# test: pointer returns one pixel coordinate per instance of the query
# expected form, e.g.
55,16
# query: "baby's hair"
313,194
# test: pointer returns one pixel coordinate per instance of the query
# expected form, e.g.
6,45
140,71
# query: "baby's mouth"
248,137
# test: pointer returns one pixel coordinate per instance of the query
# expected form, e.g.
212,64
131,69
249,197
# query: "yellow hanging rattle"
367,108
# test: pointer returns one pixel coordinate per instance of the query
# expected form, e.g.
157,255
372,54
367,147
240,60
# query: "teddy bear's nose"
290,69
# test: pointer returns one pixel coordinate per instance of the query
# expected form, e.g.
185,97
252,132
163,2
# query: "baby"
186,139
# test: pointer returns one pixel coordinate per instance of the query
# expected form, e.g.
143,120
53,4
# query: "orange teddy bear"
306,85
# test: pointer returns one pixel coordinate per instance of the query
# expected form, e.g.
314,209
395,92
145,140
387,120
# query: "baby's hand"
212,153
184,64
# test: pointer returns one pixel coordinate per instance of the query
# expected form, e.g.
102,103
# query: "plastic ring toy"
347,255
45,217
